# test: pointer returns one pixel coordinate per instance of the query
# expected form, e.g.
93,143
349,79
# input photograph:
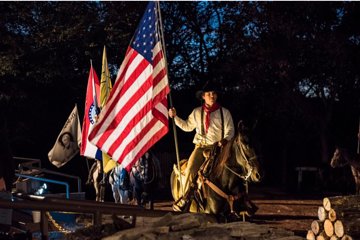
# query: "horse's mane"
224,155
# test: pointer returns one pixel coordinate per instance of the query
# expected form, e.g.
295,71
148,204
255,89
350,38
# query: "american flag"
135,116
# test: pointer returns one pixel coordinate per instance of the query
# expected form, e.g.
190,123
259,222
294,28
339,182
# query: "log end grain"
310,235
328,228
327,204
339,229
322,215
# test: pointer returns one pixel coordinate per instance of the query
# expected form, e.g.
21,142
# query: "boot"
179,205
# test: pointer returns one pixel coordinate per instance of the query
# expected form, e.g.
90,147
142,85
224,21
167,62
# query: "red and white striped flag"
92,100
135,115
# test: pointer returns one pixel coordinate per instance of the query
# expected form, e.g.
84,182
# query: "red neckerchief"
209,110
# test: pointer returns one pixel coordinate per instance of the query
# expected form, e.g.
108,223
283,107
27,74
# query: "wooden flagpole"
170,98
358,145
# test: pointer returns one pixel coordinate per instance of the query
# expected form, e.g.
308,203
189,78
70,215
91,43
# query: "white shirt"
214,132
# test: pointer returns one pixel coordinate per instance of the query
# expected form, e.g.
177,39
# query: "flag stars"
145,38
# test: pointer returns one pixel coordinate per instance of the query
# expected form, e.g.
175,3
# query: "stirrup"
180,205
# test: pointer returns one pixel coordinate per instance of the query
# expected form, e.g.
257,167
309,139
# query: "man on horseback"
213,125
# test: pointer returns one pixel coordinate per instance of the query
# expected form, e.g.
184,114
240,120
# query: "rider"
213,125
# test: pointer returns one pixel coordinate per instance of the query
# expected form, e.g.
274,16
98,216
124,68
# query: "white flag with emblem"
68,141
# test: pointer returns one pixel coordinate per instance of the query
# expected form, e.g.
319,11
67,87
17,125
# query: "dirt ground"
293,212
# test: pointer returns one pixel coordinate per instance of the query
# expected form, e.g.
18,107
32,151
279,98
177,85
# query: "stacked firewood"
338,218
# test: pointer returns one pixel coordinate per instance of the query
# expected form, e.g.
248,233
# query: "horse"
144,178
94,178
223,191
343,157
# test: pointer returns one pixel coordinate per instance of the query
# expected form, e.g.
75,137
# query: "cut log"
342,200
346,237
339,229
310,235
328,228
322,236
332,215
348,212
327,204
317,227
345,212
350,227
334,237
322,214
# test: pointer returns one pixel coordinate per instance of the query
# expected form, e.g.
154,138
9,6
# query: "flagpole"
86,160
170,98
358,145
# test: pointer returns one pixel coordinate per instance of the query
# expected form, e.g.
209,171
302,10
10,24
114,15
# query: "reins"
229,198
154,173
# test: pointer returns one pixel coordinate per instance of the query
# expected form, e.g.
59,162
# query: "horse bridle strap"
229,198
246,177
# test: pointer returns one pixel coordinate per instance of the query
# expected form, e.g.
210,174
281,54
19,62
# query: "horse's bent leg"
356,174
123,196
357,184
97,191
115,193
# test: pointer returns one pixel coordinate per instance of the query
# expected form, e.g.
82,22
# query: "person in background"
145,175
120,184
213,125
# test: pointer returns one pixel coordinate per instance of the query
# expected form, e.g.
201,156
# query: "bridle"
240,147
229,198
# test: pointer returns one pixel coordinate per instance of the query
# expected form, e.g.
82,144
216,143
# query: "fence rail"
44,204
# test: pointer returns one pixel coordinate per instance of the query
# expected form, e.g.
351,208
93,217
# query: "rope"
57,225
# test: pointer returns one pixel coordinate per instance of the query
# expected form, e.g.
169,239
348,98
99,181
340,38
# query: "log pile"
338,219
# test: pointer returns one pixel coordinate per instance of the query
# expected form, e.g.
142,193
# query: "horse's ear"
241,126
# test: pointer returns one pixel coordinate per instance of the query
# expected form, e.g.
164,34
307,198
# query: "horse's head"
340,158
238,154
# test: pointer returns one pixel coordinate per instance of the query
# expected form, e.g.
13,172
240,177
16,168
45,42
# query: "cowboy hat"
209,86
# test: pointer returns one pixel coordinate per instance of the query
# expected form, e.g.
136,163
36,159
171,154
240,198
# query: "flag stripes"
91,107
135,116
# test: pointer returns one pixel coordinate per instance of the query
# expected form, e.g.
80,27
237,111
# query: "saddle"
211,156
